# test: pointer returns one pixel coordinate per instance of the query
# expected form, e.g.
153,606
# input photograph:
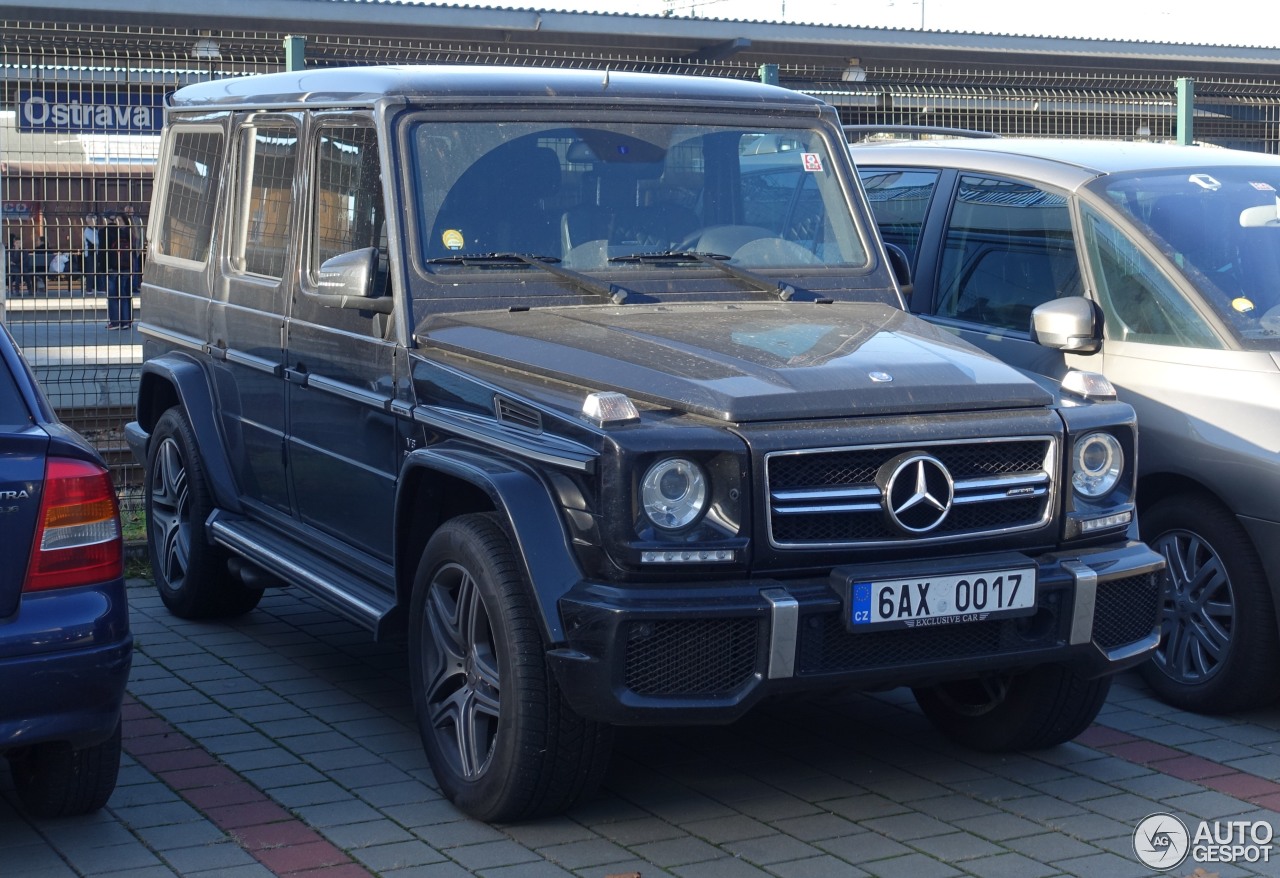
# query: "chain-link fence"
81,108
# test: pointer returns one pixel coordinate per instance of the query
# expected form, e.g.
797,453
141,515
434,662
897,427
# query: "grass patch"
133,524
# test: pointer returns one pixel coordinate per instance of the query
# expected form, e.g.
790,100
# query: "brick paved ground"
283,744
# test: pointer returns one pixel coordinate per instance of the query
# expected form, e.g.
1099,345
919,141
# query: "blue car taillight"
77,540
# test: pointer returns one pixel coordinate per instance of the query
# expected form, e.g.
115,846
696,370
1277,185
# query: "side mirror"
900,265
1068,324
346,281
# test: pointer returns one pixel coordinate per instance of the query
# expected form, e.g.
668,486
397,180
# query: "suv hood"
745,362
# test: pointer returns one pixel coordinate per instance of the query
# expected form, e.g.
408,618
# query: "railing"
52,180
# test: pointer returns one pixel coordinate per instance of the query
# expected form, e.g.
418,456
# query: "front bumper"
707,652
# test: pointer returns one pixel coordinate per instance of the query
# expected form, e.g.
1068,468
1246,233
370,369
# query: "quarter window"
186,229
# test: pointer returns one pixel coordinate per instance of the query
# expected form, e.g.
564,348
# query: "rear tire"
53,780
503,743
190,572
1043,707
1219,644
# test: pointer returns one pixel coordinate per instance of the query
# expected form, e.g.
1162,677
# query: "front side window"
348,185
1008,248
1220,228
1138,301
191,198
627,197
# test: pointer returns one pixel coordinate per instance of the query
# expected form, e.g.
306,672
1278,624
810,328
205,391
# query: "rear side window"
899,201
13,408
190,201
268,158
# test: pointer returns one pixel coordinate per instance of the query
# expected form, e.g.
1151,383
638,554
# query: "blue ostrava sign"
85,111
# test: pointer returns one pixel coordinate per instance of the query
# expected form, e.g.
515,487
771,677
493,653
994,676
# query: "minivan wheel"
190,572
1042,707
1218,638
502,741
54,780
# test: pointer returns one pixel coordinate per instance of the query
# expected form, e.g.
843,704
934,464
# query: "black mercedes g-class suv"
598,389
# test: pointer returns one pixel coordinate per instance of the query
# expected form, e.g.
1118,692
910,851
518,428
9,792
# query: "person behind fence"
137,243
113,264
16,270
89,252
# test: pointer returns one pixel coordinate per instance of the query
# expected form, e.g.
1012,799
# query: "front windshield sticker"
452,239
1204,181
812,161
1262,187
1241,304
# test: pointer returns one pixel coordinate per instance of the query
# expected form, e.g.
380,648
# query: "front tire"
53,780
1043,707
502,741
1219,646
190,572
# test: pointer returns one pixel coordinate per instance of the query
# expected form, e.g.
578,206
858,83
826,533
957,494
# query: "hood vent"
518,415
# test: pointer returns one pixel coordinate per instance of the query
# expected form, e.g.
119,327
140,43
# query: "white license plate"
941,600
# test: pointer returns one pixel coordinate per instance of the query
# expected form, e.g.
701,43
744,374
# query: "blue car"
65,646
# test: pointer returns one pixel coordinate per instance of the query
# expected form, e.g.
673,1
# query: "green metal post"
769,74
1186,109
295,53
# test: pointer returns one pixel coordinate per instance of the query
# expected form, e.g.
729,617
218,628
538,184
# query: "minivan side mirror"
346,281
1068,324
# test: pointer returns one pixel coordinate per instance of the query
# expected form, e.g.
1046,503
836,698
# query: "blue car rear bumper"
64,663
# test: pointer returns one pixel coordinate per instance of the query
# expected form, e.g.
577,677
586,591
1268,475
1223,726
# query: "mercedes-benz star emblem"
917,490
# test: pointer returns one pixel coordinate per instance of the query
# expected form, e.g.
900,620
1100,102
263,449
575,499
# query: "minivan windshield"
580,206
1221,227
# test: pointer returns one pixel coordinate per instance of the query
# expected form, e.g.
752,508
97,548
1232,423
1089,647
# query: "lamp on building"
206,48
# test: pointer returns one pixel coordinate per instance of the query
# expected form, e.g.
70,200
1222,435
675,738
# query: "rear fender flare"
177,379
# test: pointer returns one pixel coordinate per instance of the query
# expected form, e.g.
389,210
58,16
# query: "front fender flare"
529,514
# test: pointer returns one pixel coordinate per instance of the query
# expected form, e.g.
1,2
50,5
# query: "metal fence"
80,108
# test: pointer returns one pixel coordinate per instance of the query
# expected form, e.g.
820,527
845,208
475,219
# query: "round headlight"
1099,461
673,493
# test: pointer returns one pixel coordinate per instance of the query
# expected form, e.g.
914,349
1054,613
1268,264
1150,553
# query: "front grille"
1126,609
697,657
830,497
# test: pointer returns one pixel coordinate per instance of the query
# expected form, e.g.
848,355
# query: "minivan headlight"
673,493
1098,462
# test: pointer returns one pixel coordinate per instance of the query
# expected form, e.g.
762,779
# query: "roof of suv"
468,84
1066,163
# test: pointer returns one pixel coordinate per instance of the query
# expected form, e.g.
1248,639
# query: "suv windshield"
1221,227
627,198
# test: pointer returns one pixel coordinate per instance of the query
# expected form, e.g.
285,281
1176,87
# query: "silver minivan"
1177,252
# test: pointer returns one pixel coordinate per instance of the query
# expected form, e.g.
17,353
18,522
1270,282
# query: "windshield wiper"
609,292
720,262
